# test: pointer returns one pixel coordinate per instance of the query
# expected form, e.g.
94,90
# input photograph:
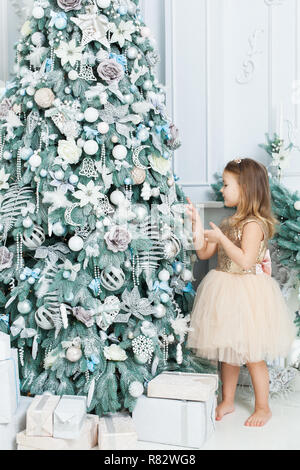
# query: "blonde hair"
255,197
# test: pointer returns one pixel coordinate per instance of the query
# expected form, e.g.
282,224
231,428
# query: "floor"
281,433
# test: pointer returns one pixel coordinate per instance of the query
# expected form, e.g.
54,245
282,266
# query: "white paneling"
3,41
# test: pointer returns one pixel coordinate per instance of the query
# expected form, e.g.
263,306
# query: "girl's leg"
229,377
260,381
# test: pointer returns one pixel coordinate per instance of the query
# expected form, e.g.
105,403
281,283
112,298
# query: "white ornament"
136,389
59,229
159,311
73,75
38,39
179,357
91,114
103,127
186,275
140,211
75,243
44,98
103,3
112,278
132,53
35,160
147,85
297,205
120,152
155,192
27,222
91,147
164,275
36,238
117,198
24,307
145,32
38,13
73,354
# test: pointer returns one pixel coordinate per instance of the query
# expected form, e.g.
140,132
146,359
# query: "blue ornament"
66,274
133,88
127,180
43,173
123,10
164,298
60,23
69,297
26,153
166,155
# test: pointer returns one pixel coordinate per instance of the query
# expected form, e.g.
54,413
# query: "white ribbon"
74,268
18,326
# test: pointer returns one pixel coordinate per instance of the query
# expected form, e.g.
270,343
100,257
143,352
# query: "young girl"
240,315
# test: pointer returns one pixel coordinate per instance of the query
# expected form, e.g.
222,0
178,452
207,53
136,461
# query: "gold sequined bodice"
234,233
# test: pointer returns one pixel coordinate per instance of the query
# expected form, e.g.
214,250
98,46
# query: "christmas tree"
95,259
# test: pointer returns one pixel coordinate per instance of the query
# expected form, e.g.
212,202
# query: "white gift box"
8,431
9,387
69,417
4,346
39,420
183,386
88,439
176,422
117,432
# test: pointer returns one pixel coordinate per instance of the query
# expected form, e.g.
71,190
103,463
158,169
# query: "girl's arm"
207,251
245,256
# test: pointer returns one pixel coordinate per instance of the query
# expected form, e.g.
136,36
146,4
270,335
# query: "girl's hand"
194,215
213,236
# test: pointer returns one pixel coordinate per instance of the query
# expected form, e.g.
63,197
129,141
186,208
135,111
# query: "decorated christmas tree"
95,258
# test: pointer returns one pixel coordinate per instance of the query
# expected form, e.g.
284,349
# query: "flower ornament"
68,5
5,258
69,52
84,316
111,71
117,239
122,32
68,151
89,194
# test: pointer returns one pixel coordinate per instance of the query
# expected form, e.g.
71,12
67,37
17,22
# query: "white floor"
281,433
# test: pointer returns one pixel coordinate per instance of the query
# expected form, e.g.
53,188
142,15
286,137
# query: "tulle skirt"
240,318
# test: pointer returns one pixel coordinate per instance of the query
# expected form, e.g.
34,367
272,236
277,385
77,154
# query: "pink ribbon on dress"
265,266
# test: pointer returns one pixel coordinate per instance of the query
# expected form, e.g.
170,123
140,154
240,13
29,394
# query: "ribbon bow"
94,285
27,272
5,318
189,288
104,336
74,268
165,128
55,15
92,362
265,266
91,133
121,59
163,285
18,326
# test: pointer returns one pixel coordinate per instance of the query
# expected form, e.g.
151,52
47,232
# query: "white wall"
228,65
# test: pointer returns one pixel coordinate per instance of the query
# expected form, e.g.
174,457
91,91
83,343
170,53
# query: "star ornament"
94,27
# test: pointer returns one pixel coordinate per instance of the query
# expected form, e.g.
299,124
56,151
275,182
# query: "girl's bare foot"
222,409
259,418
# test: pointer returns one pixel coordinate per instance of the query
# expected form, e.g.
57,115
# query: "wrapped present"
4,346
39,420
88,439
8,431
69,417
176,422
117,432
183,386
10,387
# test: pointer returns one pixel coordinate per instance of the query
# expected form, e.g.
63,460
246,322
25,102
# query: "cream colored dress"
240,316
